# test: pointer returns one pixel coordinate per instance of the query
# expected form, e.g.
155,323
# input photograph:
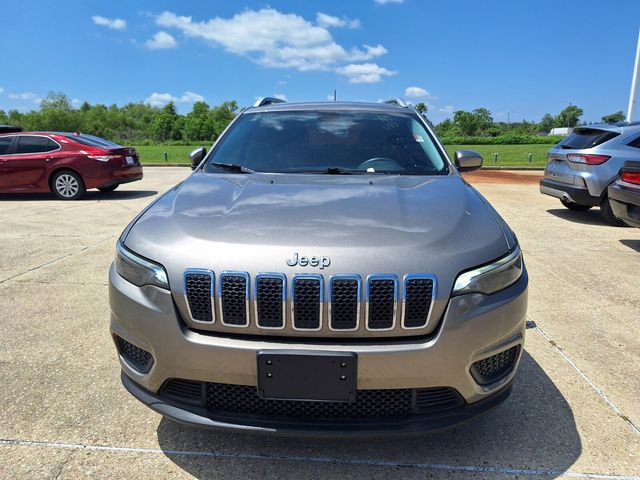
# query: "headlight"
491,278
138,270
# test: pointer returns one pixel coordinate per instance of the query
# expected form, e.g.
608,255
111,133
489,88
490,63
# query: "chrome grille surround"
212,277
405,281
330,308
283,278
307,276
221,297
374,278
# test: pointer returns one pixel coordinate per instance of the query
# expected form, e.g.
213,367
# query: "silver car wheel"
67,185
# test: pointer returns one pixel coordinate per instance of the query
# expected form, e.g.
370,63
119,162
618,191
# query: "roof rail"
261,102
397,101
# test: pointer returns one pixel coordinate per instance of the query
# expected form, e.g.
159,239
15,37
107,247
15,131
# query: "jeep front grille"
310,304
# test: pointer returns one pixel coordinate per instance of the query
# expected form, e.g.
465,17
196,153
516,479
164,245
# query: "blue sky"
522,57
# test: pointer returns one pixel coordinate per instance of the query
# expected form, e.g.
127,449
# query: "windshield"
329,142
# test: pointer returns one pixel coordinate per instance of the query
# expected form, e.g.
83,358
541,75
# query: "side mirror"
196,157
467,160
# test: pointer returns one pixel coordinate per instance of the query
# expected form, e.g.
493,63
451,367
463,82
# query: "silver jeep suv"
582,166
324,270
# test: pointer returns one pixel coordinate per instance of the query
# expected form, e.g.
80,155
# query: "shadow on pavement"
533,429
90,195
590,217
633,244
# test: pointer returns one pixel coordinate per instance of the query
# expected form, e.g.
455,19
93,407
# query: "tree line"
139,123
133,123
480,123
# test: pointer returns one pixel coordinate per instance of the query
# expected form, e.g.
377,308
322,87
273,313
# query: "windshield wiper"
232,167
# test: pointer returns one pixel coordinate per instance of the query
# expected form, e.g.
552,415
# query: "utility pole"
633,95
335,95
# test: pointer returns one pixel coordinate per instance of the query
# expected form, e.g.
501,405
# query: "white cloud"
76,102
446,109
384,2
272,39
365,72
115,23
280,96
281,82
330,97
159,99
1,90
329,21
161,40
416,92
26,96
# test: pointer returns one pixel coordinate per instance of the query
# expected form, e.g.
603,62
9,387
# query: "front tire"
575,206
607,214
67,185
109,189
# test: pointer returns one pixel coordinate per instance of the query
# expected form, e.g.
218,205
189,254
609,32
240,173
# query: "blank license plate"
297,375
131,161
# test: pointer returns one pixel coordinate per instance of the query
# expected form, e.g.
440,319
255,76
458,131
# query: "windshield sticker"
418,138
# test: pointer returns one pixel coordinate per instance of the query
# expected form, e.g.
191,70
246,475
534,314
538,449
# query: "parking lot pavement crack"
61,257
599,391
63,464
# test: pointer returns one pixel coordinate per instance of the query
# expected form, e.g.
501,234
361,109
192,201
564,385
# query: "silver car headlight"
491,278
138,270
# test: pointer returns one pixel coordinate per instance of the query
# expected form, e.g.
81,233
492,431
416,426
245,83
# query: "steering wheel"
381,163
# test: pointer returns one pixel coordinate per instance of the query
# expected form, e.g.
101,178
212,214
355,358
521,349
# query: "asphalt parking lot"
574,411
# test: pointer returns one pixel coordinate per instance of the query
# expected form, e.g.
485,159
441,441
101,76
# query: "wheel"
575,206
607,214
67,185
109,189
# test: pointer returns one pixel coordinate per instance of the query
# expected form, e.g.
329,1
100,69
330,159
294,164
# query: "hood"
364,223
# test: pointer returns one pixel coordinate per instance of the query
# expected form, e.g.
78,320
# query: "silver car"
325,270
582,166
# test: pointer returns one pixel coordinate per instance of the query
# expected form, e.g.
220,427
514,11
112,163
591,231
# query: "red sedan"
66,164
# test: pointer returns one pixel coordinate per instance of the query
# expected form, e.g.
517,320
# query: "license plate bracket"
299,375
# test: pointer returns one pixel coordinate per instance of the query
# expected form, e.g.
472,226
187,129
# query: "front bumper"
473,327
625,203
569,193
415,424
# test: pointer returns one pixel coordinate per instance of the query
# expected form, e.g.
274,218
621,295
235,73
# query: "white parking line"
590,382
336,461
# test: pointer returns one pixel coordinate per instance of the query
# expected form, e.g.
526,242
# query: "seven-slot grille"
270,294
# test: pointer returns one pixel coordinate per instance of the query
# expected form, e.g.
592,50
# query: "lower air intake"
492,369
139,359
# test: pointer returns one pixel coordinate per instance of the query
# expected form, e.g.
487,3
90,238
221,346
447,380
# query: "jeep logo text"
321,262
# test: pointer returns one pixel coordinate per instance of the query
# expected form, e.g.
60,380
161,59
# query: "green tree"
164,123
56,101
546,123
614,117
421,108
569,117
